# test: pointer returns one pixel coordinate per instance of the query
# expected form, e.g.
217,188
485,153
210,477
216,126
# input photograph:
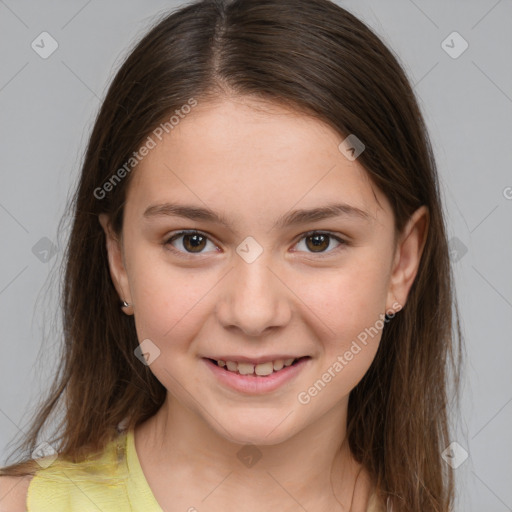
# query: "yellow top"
113,483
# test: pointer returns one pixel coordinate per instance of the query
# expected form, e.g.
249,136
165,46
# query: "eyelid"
175,235
342,241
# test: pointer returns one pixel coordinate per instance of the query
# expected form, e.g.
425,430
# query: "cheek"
348,347
164,295
349,298
349,307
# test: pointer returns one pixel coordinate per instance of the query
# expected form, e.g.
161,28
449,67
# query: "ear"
408,253
116,262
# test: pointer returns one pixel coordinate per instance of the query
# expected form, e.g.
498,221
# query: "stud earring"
125,304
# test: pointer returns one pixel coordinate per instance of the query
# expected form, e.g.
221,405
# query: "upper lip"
254,360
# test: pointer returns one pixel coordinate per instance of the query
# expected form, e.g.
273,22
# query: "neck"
181,454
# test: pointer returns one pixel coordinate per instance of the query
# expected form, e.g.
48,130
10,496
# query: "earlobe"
408,253
116,263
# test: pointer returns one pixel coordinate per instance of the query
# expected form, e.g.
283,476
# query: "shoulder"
56,485
13,493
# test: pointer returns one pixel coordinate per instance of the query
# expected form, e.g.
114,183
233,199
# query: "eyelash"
168,245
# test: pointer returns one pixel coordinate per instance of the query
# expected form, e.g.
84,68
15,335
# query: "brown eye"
319,242
188,242
194,243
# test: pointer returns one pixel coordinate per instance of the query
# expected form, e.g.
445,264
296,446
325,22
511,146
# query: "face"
264,274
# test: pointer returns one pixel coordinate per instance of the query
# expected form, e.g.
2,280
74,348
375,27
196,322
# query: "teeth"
245,368
262,369
232,366
278,365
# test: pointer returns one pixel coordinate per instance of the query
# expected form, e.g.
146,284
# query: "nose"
254,297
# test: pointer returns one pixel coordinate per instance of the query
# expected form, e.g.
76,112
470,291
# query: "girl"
258,298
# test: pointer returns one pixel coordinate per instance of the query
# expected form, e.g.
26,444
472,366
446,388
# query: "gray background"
47,109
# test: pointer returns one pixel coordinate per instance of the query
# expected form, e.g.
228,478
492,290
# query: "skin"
253,162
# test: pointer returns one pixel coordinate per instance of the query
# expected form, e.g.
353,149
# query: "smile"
256,378
261,369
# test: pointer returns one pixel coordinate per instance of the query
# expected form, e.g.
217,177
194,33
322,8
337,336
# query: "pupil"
195,240
319,241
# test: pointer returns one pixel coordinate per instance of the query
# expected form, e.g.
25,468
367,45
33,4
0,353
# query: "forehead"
251,157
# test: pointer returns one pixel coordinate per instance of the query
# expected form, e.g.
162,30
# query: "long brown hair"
319,59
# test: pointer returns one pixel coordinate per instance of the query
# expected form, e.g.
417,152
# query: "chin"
256,427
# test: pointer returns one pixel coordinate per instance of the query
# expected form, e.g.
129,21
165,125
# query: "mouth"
261,369
256,377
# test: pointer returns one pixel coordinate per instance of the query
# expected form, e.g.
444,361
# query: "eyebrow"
289,219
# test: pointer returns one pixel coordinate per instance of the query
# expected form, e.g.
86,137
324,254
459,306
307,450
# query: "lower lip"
256,384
